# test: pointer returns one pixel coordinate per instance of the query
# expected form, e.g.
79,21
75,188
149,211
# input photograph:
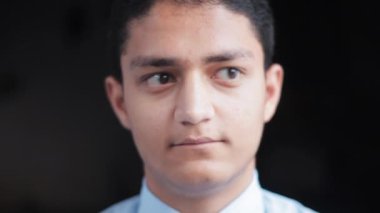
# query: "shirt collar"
250,199
150,203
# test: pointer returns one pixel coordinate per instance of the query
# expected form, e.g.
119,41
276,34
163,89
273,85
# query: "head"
124,11
196,87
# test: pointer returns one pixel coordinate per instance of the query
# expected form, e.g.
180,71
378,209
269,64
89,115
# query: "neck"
211,199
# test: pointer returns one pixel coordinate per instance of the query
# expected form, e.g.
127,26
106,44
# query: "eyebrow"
153,62
227,56
146,61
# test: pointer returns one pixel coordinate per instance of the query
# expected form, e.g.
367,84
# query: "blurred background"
62,149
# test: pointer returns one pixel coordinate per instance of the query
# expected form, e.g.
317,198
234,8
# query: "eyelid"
239,69
145,77
153,84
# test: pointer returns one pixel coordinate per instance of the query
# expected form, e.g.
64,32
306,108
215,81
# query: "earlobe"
273,80
115,96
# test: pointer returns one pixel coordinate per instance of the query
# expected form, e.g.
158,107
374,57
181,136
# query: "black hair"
124,11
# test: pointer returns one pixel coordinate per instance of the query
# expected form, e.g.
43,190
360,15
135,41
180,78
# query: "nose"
194,105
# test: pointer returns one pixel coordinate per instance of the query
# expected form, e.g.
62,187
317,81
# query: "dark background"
62,149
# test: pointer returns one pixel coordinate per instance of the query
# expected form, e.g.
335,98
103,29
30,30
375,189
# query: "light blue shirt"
253,199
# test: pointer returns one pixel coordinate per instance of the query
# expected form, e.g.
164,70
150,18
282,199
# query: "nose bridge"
193,100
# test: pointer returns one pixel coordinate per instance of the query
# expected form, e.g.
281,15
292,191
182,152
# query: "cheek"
244,118
245,132
148,135
246,106
145,114
148,124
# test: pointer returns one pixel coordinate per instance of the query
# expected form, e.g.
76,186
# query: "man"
196,88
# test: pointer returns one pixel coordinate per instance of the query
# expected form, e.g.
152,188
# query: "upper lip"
196,141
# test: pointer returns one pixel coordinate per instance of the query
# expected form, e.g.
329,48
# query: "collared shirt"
252,199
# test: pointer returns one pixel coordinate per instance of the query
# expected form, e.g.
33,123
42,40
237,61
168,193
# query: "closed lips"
196,141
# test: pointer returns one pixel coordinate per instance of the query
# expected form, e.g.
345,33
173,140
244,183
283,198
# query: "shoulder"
129,205
277,203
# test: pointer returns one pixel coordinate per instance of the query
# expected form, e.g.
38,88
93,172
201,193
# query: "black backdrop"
62,149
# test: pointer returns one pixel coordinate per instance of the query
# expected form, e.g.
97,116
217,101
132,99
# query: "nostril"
189,122
186,123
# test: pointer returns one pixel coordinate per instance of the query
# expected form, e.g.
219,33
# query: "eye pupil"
163,78
232,73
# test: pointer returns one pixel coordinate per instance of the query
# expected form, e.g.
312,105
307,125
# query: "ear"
114,90
274,77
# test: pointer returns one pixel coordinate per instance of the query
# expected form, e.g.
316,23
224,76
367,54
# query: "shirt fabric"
252,199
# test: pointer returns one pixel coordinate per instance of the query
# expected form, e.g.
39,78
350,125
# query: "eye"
228,74
159,79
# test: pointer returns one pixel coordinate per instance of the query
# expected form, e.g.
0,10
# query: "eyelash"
158,83
145,78
238,71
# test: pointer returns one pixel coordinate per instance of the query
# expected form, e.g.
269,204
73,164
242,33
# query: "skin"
195,96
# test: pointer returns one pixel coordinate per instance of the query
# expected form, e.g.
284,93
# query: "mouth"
196,141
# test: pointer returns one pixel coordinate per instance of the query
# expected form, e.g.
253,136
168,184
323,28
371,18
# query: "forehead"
186,30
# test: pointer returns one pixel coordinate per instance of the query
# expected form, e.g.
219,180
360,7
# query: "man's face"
194,95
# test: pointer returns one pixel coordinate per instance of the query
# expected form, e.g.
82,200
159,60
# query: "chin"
201,177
